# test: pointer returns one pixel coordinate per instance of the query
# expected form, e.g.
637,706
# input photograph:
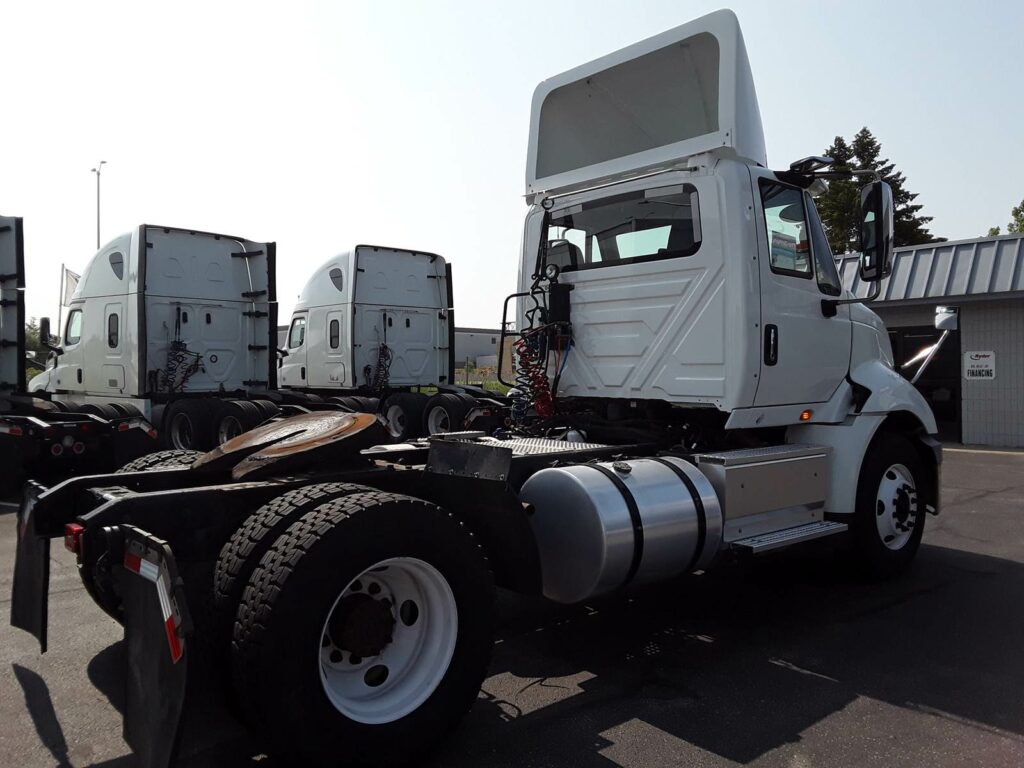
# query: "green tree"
1016,225
839,206
993,232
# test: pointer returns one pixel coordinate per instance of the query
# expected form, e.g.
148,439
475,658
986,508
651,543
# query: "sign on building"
980,365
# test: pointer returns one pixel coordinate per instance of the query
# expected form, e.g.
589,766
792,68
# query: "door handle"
771,344
302,372
78,373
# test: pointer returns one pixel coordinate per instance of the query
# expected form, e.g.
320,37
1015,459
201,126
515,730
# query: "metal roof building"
976,384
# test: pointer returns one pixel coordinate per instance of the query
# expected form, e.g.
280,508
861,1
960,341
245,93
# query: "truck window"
112,330
635,227
117,264
824,261
786,221
73,334
334,334
298,333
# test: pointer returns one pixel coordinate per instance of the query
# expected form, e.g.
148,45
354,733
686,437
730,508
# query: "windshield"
640,226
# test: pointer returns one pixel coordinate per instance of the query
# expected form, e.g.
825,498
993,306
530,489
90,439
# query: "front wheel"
365,632
891,496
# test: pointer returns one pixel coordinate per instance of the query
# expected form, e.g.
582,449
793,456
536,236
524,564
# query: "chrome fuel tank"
605,525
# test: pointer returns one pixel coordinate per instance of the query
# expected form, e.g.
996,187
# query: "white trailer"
177,324
373,322
694,386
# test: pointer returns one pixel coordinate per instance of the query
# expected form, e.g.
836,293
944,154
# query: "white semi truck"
42,437
179,326
694,386
374,322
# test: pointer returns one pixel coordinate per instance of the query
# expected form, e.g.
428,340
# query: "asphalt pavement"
790,661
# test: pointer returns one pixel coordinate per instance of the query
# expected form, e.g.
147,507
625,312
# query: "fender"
891,392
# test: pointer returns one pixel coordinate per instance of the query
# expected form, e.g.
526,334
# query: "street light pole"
98,170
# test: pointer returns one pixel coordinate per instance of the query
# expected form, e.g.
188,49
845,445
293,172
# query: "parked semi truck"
41,437
177,324
374,323
694,386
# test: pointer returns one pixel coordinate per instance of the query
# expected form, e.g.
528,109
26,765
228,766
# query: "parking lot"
790,661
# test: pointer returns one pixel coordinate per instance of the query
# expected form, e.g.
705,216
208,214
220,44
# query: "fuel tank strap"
698,505
634,516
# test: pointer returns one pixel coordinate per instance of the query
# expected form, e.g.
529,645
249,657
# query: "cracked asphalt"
790,661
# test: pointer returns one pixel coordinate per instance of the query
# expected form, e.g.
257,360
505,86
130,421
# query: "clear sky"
324,125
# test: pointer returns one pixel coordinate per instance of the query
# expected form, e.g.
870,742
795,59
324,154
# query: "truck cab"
688,277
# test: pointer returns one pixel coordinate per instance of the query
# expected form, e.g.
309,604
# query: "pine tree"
840,206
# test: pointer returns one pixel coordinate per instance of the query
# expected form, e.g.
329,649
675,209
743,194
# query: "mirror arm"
876,289
847,174
927,361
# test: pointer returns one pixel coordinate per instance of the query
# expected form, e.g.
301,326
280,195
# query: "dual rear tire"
364,630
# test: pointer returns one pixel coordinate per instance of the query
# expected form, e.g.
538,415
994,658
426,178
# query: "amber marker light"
806,415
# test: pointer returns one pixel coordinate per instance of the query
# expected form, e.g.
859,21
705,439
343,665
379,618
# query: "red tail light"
56,449
73,538
122,427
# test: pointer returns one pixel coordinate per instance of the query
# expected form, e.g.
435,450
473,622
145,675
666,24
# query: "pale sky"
323,125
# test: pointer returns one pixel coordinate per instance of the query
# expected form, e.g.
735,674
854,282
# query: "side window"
117,264
786,222
73,334
824,261
334,334
112,330
297,334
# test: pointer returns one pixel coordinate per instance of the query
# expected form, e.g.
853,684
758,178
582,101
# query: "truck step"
766,542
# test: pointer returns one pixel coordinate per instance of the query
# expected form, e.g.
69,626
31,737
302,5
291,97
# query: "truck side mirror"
44,330
876,231
947,318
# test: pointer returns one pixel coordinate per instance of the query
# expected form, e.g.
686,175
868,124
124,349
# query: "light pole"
98,170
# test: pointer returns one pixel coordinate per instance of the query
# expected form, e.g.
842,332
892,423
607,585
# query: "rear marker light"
56,449
152,433
78,449
123,426
73,538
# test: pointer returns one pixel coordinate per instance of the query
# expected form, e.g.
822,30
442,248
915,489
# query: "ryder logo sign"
980,365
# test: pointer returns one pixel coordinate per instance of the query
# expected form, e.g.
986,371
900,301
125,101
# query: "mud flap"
156,626
30,591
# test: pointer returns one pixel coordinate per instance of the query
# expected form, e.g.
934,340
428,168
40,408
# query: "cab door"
805,351
69,372
293,371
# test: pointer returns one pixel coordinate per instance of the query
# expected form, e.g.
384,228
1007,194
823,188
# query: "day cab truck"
41,437
695,386
178,326
372,327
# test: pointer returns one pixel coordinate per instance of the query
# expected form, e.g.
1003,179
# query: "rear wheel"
188,425
403,412
235,417
365,632
891,496
246,547
445,412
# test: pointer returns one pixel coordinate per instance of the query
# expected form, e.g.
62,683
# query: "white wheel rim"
415,659
230,427
437,421
396,419
181,431
896,507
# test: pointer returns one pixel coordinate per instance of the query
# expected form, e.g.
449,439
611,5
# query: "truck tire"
358,403
171,459
246,547
268,408
353,577
188,425
889,518
444,413
103,410
233,418
403,412
126,409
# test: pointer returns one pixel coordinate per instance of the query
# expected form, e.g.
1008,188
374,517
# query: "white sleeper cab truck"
373,324
41,437
693,386
177,325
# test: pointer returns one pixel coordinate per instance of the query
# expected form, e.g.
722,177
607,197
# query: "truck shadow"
736,662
